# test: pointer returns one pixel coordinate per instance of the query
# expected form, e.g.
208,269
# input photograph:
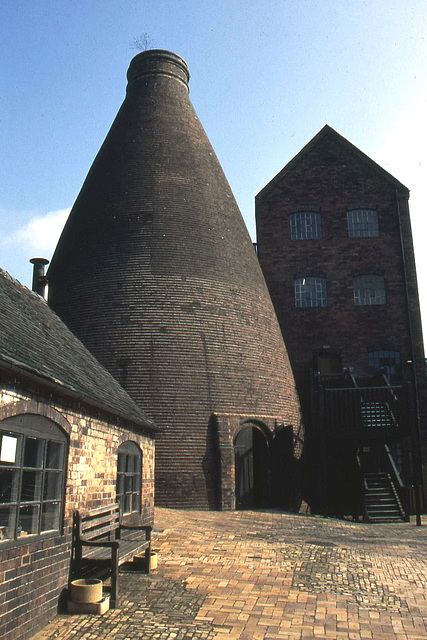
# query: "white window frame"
362,223
369,289
305,225
129,477
310,291
388,361
33,456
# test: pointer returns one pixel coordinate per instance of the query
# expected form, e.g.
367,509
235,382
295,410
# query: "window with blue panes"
129,470
310,292
306,225
362,223
32,476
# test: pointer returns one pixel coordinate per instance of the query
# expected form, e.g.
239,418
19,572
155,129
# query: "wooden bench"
98,547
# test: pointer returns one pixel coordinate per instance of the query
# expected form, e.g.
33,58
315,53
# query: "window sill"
8,543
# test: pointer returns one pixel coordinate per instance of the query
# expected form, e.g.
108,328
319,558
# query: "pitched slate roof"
33,340
326,133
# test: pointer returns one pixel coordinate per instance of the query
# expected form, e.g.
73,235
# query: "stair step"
378,491
376,474
383,512
380,499
380,494
387,519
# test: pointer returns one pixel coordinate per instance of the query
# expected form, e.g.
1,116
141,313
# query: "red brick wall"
32,577
331,181
33,574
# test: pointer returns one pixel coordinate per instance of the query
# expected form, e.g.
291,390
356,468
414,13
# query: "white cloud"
41,233
36,236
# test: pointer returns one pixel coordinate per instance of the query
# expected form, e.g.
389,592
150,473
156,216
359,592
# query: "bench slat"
113,507
107,533
127,549
89,523
96,532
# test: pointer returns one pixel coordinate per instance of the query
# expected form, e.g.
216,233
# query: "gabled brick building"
335,246
64,424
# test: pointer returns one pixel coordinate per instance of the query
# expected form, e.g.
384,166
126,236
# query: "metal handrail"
342,409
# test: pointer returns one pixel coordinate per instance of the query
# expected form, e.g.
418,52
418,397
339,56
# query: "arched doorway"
251,468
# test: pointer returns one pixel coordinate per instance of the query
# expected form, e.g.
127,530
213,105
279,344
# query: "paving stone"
268,576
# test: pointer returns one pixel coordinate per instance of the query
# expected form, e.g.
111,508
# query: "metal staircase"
382,503
360,425
377,415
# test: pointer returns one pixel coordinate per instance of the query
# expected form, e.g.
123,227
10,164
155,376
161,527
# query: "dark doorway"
283,469
251,468
369,459
343,480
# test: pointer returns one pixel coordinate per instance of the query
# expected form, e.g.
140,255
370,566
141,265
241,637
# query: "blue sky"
265,78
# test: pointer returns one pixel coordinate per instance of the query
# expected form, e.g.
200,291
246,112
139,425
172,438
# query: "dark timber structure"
335,247
155,272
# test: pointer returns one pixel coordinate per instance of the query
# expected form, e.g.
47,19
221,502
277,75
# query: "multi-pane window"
310,292
369,290
129,464
388,362
31,478
362,223
306,226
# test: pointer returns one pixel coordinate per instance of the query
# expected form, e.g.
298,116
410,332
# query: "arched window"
369,289
362,223
310,292
306,225
129,467
32,476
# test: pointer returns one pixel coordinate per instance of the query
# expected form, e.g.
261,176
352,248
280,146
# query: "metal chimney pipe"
39,278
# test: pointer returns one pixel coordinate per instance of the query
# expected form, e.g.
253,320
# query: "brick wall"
33,574
330,177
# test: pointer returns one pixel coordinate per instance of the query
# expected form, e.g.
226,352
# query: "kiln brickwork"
84,407
328,179
155,272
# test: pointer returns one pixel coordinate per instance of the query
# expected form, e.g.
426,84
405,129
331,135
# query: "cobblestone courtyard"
268,576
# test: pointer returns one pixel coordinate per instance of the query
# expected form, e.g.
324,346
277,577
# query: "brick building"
155,272
335,247
64,425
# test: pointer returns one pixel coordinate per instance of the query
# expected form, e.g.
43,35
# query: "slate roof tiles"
33,340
